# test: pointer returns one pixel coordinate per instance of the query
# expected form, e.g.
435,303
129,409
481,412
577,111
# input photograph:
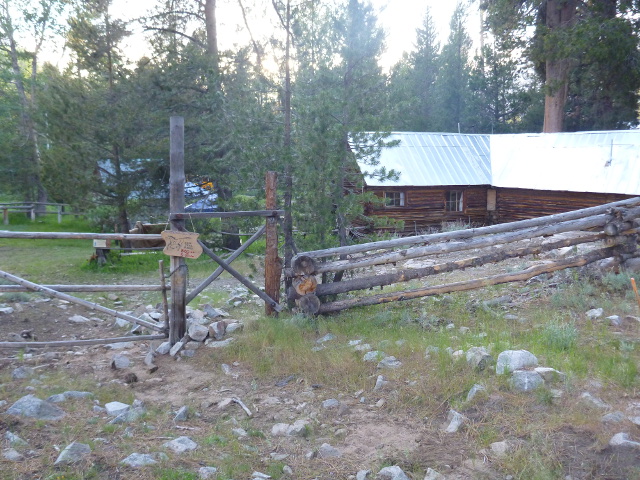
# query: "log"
77,236
272,263
521,275
241,278
93,306
79,343
481,242
218,271
303,265
309,304
305,284
165,302
250,213
473,232
86,288
409,274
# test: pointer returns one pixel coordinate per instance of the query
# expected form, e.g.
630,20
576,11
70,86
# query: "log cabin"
486,179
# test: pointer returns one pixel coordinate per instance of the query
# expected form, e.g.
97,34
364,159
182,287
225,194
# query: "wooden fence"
614,224
31,208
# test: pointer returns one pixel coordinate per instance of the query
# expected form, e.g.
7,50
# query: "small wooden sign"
181,244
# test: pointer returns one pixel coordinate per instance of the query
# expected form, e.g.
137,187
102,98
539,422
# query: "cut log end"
304,265
309,304
305,284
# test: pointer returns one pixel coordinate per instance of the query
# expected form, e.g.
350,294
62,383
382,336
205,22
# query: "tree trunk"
560,14
212,33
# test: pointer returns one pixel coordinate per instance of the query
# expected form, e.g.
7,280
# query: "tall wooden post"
272,263
178,317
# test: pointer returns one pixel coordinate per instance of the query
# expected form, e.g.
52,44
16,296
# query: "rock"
181,445
14,440
129,416
287,470
511,360
137,460
21,373
120,361
594,313
207,472
176,348
217,329
330,403
31,406
116,408
431,350
6,310
259,476
381,382
389,362
280,429
550,375
239,432
615,320
363,474
613,417
198,333
479,358
74,452
12,455
182,414
500,449
593,401
79,319
298,429
221,344
235,327
163,348
392,473
327,338
212,312
525,381
475,390
455,420
373,356
327,451
433,475
622,440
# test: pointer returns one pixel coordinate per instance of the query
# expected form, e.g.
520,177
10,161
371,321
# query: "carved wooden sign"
181,244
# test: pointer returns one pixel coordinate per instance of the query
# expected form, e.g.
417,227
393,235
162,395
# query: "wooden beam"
521,275
86,288
93,306
78,236
249,213
472,232
78,343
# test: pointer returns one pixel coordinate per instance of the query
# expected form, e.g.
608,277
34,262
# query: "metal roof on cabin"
597,162
435,159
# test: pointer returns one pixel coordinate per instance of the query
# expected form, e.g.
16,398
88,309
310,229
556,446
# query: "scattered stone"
119,362
525,380
21,373
14,440
500,449
6,310
613,417
217,329
122,323
62,397
615,320
129,416
207,472
137,460
12,455
593,401
455,420
550,375
464,330
218,344
433,475
479,358
475,390
373,356
389,362
363,347
239,432
260,476
287,470
189,353
381,382
176,348
181,445
163,348
198,333
182,414
298,429
31,406
511,360
622,440
327,451
79,319
116,408
235,327
327,338
330,403
74,452
431,350
392,473
278,457
594,313
363,474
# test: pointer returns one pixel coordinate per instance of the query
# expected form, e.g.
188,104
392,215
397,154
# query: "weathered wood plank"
86,288
249,213
78,236
79,343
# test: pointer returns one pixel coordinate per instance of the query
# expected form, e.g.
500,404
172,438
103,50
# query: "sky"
399,19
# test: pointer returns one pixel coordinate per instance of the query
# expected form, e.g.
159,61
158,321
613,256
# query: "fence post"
33,213
60,213
178,267
272,264
5,216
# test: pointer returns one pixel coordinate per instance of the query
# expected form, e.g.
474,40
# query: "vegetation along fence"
614,225
33,209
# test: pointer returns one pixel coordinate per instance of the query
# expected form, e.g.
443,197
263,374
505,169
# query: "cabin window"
394,199
453,201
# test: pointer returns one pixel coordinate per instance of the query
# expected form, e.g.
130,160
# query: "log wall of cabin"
424,207
514,204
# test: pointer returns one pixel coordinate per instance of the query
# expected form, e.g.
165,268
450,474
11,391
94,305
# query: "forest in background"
94,134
